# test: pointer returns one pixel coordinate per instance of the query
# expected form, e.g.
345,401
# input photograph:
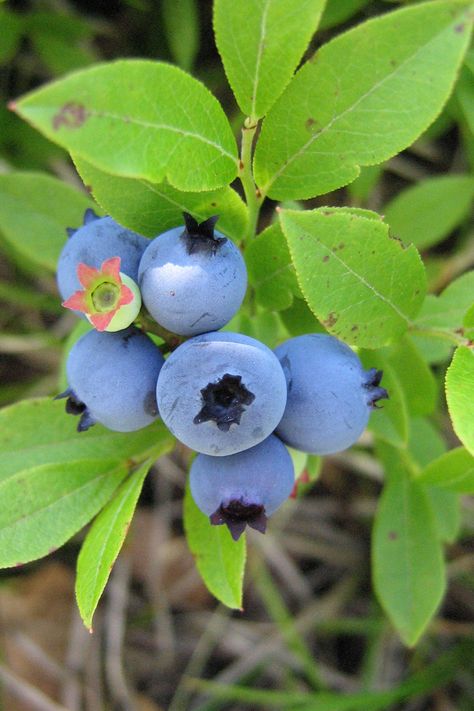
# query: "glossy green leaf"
270,269
460,395
261,43
219,559
408,569
138,119
39,432
362,98
453,470
35,210
43,506
362,285
427,212
415,376
181,18
151,208
103,543
390,421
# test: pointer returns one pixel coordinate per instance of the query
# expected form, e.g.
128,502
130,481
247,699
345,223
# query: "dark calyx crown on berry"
74,406
237,514
372,384
224,401
89,216
200,237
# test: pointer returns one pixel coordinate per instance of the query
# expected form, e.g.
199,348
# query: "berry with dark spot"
330,395
112,380
243,489
221,393
192,278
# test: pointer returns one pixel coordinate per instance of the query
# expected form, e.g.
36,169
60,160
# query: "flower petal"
77,302
111,267
86,275
126,296
101,321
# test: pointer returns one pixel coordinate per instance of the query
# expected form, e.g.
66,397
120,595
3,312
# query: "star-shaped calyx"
200,237
224,401
372,385
109,299
237,514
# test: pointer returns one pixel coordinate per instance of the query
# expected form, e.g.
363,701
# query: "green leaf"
181,18
43,506
338,11
425,442
453,470
447,310
408,570
426,213
415,376
446,509
261,43
390,422
59,54
103,543
270,269
299,320
362,98
460,395
12,28
151,208
35,210
361,284
39,432
219,559
138,119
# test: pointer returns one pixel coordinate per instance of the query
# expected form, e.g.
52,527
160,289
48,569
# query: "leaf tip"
12,106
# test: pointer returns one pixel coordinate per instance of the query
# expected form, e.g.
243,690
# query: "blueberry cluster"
225,395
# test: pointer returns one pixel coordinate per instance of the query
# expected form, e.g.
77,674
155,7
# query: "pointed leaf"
408,569
42,507
138,119
151,208
261,43
363,286
104,541
362,98
219,559
460,395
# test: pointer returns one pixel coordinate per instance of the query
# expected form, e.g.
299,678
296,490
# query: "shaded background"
310,620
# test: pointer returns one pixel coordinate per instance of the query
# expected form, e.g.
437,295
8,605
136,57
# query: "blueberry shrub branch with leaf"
182,266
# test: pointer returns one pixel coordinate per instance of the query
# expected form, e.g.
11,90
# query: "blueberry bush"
236,289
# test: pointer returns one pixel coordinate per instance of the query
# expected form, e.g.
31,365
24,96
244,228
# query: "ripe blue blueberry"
112,380
99,239
192,279
245,488
330,396
221,393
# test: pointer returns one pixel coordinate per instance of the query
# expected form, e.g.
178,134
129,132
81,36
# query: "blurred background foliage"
312,635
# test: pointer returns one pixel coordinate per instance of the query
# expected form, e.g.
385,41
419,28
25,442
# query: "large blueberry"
245,488
99,239
192,279
221,393
330,395
112,380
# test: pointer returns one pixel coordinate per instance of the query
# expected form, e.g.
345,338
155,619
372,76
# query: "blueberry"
330,396
245,488
112,380
99,239
192,279
221,393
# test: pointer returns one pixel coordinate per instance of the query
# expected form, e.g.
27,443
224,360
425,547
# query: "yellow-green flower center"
105,296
